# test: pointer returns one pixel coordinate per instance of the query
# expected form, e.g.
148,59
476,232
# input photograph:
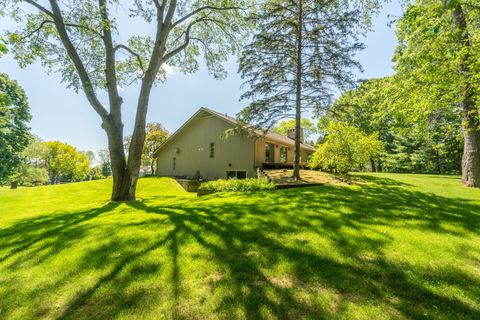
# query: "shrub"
237,185
31,176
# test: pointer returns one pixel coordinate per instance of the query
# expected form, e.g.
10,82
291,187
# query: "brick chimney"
291,134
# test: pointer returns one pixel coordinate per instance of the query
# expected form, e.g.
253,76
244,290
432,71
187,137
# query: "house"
200,148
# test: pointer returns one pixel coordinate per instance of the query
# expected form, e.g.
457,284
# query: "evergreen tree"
301,53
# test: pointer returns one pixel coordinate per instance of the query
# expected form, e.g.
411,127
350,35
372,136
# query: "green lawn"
399,246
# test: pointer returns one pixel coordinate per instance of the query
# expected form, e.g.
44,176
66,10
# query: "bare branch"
76,60
187,40
39,7
110,65
197,11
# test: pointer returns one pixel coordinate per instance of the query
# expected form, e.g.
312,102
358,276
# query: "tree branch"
184,45
110,65
133,53
76,60
194,12
39,7
73,25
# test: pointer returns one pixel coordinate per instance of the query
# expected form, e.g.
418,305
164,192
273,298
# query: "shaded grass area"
397,246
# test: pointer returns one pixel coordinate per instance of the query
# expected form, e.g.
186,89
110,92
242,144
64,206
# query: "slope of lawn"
392,247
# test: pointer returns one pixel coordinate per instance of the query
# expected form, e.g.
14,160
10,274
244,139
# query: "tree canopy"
64,162
83,41
301,52
345,148
14,130
438,58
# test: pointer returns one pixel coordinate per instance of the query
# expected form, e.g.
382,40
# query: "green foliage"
105,163
300,54
345,148
155,136
82,41
14,130
414,140
439,61
242,185
32,176
3,47
96,173
308,127
215,35
64,162
35,153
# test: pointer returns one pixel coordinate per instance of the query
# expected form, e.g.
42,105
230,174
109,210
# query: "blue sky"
61,114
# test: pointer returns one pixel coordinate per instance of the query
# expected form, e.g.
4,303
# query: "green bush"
237,185
31,176
96,173
345,148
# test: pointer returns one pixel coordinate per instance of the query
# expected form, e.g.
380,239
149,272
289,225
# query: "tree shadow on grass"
267,260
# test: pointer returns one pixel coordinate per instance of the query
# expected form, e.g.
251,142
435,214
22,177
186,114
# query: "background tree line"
427,114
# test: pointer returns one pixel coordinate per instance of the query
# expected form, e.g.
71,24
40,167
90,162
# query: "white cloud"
169,70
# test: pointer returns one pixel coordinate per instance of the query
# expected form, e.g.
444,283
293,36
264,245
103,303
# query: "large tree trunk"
380,165
298,100
125,173
471,151
471,159
471,124
152,166
372,162
122,182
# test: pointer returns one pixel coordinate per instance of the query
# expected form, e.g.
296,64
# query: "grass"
396,247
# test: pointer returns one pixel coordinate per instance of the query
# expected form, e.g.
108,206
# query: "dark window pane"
212,150
283,154
269,150
241,175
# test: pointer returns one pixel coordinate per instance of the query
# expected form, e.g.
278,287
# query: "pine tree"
301,54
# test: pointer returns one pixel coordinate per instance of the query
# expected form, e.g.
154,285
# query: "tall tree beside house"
81,40
155,136
438,56
301,53
14,130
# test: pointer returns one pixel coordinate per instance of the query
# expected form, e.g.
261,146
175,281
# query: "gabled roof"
269,135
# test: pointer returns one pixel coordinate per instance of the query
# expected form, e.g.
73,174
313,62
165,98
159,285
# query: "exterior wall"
260,152
236,153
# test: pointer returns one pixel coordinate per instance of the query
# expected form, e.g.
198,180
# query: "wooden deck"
282,165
